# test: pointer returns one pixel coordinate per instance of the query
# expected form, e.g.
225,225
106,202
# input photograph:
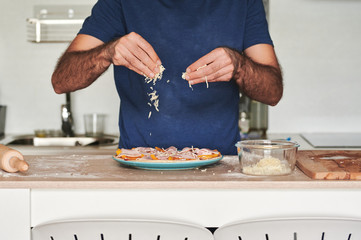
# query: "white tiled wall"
317,42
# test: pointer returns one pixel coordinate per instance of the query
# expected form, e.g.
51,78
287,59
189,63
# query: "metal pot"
2,120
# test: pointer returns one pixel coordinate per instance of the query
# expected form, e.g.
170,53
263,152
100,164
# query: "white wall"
25,72
317,42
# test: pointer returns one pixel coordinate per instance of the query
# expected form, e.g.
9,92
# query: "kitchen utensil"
267,157
2,120
171,165
12,160
327,164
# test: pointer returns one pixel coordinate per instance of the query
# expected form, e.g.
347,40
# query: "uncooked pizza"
171,154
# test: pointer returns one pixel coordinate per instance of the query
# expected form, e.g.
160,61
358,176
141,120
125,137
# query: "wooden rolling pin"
12,160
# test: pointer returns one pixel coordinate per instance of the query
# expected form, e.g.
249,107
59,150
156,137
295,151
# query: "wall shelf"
57,23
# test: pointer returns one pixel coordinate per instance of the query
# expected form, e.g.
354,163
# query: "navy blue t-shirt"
180,31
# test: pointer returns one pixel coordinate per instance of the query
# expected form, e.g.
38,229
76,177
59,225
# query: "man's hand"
256,71
218,65
87,58
134,52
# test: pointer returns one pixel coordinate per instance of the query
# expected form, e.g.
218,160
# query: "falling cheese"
154,99
153,96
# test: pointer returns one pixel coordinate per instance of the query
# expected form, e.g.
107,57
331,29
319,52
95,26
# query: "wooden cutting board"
332,165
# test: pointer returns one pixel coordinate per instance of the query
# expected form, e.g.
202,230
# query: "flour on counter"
60,167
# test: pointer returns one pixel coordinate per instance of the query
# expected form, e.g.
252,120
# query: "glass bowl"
267,157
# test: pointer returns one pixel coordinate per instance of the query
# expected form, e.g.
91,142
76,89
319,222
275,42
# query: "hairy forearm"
78,69
260,82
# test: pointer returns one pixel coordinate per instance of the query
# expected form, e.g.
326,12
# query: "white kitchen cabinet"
15,214
206,207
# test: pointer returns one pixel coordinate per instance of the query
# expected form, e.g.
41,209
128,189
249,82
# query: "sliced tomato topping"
125,157
118,151
152,156
203,157
159,149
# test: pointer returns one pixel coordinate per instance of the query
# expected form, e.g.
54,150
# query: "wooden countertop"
100,171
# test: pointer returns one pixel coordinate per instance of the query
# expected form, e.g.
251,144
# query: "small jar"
243,123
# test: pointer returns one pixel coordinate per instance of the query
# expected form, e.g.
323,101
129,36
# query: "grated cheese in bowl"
268,166
267,157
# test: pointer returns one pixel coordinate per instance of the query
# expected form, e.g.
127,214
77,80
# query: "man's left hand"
218,65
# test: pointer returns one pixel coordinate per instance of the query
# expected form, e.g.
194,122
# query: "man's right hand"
135,53
88,57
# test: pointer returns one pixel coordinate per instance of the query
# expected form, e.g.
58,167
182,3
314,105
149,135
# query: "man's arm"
259,74
81,64
87,58
256,71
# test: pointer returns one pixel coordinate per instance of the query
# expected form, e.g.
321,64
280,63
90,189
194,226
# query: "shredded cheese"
205,76
153,96
268,166
157,77
185,73
154,99
202,67
184,77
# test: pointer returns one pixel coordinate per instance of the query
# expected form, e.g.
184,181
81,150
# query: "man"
223,46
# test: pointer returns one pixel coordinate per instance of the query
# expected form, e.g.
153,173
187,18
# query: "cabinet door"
15,214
